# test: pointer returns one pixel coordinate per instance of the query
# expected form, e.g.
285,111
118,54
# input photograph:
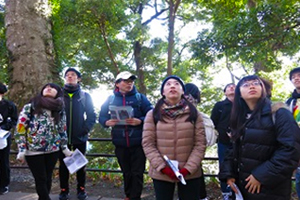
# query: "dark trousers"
132,162
41,167
164,190
4,164
222,148
64,172
202,186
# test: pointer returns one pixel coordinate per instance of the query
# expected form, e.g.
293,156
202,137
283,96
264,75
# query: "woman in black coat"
266,145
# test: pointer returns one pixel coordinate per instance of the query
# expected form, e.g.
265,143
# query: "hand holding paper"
174,166
76,161
169,172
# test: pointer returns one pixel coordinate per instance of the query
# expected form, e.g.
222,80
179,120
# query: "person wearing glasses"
266,144
127,131
294,105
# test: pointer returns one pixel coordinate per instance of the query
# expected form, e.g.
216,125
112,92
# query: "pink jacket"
177,139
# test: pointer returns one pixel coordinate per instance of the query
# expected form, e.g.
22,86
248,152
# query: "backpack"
137,96
210,131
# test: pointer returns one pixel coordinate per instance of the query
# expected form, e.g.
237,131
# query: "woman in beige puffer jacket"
175,129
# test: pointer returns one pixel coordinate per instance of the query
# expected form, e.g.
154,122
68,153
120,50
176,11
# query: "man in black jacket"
8,119
80,120
220,115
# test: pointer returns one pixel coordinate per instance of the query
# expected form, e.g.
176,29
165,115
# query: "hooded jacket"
126,135
269,149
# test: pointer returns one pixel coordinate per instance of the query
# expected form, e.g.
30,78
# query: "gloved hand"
184,172
67,152
21,156
169,172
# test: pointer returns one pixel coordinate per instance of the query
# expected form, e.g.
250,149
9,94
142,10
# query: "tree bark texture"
30,45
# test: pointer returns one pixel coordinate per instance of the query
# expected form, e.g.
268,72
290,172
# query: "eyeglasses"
128,81
248,84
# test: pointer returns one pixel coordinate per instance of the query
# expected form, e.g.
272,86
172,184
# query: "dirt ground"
22,181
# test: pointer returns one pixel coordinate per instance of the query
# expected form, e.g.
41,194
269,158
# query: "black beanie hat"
295,70
3,88
174,77
193,90
73,70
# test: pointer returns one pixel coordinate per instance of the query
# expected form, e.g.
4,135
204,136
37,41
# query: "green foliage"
255,34
3,52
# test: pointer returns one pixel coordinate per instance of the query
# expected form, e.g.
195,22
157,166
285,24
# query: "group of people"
258,144
49,127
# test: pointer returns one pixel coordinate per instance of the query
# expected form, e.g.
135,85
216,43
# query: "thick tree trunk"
30,46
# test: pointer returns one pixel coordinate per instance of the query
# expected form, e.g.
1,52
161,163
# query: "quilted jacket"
177,139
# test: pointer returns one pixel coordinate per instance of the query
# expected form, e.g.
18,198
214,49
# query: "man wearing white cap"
127,135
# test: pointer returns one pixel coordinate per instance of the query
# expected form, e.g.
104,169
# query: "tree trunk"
30,46
139,67
171,37
173,6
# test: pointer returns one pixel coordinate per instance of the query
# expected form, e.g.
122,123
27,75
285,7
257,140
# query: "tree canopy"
103,37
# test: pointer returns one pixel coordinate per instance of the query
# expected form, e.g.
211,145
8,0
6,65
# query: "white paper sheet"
75,162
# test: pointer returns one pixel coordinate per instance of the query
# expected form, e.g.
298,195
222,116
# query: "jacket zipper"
70,121
126,130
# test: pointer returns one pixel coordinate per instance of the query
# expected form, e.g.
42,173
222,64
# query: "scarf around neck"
173,110
51,104
71,88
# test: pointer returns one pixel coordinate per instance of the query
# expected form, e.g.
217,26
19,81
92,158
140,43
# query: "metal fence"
105,155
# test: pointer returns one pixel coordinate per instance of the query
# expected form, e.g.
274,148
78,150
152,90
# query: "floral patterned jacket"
39,133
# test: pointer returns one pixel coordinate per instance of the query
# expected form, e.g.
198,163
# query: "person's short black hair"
193,90
293,71
3,88
227,86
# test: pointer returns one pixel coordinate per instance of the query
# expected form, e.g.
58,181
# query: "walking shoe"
81,194
64,194
4,190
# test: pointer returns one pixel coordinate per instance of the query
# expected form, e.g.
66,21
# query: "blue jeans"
298,182
222,148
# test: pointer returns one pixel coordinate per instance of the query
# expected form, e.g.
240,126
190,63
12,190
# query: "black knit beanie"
73,70
173,77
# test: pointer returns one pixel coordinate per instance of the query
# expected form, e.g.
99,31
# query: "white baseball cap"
125,75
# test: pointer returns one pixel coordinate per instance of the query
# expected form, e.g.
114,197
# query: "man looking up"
80,120
220,115
294,104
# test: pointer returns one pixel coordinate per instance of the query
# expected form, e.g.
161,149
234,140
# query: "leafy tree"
252,33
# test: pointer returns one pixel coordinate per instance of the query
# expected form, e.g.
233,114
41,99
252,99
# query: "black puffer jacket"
268,151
